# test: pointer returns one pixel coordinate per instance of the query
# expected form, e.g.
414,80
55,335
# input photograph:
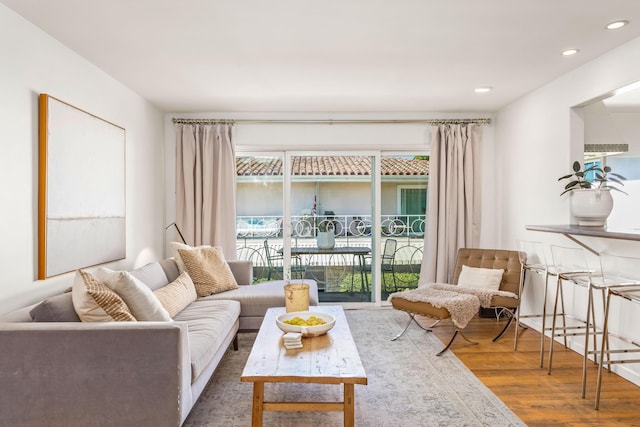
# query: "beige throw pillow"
480,278
96,302
144,305
177,295
176,246
209,271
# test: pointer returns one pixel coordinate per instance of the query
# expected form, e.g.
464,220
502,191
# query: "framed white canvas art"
81,218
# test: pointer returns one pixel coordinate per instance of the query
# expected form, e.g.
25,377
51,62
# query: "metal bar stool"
622,279
571,266
596,283
532,259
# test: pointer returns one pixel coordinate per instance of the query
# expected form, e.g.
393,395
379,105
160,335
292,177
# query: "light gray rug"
408,385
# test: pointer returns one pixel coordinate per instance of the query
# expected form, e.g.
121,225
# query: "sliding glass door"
352,222
331,209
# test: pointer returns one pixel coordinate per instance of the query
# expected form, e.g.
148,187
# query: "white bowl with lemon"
308,323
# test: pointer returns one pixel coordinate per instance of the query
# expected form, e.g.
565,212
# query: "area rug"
408,384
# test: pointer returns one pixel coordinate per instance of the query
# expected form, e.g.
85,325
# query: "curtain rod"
481,121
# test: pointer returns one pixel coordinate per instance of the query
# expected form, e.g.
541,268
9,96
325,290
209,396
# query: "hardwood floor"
537,398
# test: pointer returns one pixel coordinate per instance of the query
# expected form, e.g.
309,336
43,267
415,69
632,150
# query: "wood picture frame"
81,189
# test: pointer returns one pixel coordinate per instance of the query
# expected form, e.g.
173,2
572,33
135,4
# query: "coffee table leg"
349,405
258,399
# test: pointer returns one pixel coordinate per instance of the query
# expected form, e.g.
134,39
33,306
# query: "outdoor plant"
604,178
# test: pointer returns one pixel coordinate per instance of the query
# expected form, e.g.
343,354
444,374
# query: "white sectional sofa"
58,371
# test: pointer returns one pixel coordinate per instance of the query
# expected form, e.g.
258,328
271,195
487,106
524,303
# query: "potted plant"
591,200
326,238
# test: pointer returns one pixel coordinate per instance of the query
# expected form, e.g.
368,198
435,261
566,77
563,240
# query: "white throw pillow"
174,246
144,305
480,278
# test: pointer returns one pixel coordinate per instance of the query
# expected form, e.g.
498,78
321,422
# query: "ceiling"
333,55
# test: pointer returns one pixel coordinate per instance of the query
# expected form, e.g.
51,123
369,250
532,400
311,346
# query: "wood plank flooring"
537,398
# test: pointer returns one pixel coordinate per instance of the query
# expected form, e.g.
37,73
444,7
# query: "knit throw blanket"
461,303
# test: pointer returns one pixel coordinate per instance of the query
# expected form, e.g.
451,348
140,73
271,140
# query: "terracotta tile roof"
330,166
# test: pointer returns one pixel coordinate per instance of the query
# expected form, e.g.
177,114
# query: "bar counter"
571,230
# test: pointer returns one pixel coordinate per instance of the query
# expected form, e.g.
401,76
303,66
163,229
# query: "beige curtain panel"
453,218
205,185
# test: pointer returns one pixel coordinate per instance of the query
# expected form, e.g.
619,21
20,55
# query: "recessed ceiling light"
483,89
569,52
616,24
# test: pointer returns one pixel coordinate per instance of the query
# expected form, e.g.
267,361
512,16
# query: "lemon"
311,321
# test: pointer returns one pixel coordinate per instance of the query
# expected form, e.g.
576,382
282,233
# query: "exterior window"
413,200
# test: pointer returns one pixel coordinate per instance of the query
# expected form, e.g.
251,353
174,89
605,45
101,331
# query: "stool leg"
544,316
605,336
564,318
590,315
604,350
553,322
522,279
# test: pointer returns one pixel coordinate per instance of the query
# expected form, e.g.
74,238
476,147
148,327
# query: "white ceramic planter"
326,240
591,206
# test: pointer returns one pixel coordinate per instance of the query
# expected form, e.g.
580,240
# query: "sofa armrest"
242,271
112,373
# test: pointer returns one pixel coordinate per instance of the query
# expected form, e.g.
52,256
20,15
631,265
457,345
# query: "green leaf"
617,189
565,177
576,166
616,180
594,168
571,184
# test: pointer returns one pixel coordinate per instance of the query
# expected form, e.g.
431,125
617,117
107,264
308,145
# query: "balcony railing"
332,272
261,226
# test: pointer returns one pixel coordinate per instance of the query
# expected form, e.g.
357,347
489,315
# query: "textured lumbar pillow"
96,302
144,305
176,247
480,278
209,271
177,295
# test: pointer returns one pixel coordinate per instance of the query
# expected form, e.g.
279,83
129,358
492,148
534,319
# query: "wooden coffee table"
328,359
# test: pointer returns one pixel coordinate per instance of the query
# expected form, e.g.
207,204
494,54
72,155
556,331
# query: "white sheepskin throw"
484,295
461,307
461,303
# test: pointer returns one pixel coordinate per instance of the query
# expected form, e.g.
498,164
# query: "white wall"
537,139
32,63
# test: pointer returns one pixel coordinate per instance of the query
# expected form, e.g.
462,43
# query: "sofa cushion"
256,299
152,275
55,309
170,268
20,315
177,295
208,270
144,305
209,322
96,302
